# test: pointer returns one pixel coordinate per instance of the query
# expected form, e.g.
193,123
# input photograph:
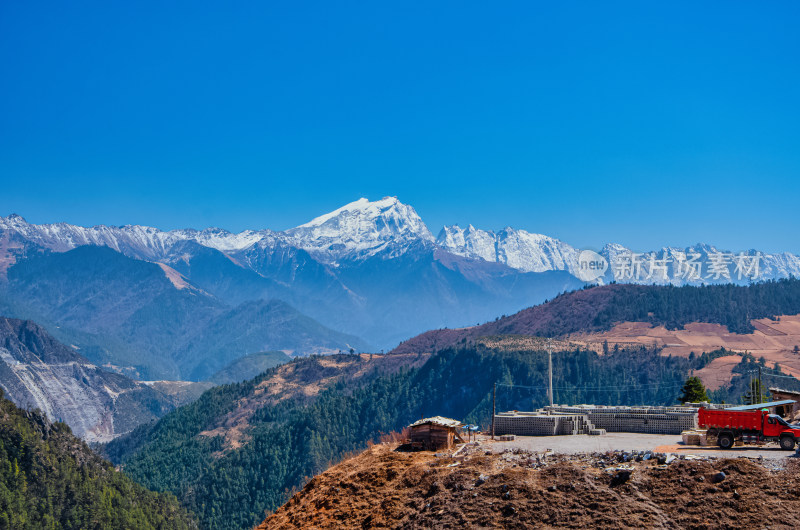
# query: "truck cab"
775,427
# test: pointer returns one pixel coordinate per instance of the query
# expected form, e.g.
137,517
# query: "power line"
632,386
771,375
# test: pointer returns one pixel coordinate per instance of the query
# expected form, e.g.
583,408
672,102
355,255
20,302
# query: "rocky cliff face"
36,371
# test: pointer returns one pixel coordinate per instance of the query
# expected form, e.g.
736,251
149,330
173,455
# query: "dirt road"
623,441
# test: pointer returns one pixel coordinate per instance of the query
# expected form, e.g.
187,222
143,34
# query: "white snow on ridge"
770,266
535,252
361,204
362,229
62,236
469,242
142,242
225,241
518,249
356,230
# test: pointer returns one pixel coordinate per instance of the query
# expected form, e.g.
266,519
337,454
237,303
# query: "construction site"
596,420
700,423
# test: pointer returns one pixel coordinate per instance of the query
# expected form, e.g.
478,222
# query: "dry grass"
303,381
772,339
382,488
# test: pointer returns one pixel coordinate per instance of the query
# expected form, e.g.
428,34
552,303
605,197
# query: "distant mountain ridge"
357,230
373,269
368,269
133,316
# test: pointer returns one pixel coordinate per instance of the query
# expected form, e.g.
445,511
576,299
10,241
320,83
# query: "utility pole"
494,402
760,397
550,370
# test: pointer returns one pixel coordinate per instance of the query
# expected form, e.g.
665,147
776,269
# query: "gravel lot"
613,441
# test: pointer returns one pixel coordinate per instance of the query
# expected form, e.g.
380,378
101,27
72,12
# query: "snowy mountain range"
528,252
357,230
389,228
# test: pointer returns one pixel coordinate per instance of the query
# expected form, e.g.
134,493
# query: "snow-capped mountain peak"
362,206
360,229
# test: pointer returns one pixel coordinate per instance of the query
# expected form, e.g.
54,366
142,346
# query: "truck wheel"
787,443
725,440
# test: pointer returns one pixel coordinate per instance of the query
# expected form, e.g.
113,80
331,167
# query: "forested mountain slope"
148,321
51,479
599,308
230,472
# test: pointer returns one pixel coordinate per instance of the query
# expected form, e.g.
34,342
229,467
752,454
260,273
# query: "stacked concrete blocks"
542,424
648,420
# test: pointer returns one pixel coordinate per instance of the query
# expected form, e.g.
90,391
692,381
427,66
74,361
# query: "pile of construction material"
648,420
696,437
543,424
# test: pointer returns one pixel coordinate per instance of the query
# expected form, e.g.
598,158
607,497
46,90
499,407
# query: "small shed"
787,411
435,433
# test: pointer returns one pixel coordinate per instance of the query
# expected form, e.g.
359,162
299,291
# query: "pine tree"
693,391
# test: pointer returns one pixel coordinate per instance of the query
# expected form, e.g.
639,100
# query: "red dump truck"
748,426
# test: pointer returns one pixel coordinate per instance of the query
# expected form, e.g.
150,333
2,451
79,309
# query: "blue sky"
643,123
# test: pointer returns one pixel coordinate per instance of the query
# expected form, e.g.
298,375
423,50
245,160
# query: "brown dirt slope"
772,339
303,381
382,488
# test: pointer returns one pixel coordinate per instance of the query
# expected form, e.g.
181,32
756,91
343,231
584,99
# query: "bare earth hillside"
304,381
773,339
383,488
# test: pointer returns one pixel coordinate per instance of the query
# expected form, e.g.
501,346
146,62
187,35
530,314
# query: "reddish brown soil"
382,488
304,381
772,339
177,279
